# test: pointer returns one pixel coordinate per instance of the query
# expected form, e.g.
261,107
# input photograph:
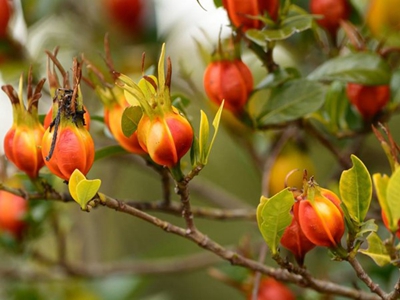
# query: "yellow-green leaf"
380,183
73,182
81,189
356,190
86,190
203,136
376,250
393,198
273,216
130,119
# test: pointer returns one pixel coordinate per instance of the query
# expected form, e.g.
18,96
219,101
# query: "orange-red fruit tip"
368,100
239,12
296,242
321,220
231,81
12,212
166,139
333,11
22,148
74,149
386,223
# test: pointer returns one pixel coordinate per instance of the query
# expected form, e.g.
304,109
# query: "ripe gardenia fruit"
12,211
67,146
5,15
333,11
22,141
270,288
241,12
383,19
319,215
163,132
128,14
368,100
229,80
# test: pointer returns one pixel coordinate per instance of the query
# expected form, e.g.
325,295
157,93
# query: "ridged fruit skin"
12,211
112,118
49,118
74,149
320,220
333,11
5,15
270,288
368,100
22,147
296,242
165,138
238,10
229,80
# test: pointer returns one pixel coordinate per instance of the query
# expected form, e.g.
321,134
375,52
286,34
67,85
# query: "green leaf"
109,151
356,190
205,147
291,101
363,67
336,106
73,182
367,227
86,190
203,136
273,216
130,119
376,250
381,183
81,189
392,197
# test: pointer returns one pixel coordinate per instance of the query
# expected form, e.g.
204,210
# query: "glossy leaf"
392,197
291,101
81,189
130,119
376,250
356,190
362,67
293,24
367,227
273,216
336,106
380,184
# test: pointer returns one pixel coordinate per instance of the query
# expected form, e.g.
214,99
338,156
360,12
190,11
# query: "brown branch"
234,258
365,278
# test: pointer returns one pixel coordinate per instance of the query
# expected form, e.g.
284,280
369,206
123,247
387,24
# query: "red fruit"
231,81
368,100
74,149
320,218
333,11
5,15
126,13
239,12
12,211
296,242
165,138
22,141
112,118
272,289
